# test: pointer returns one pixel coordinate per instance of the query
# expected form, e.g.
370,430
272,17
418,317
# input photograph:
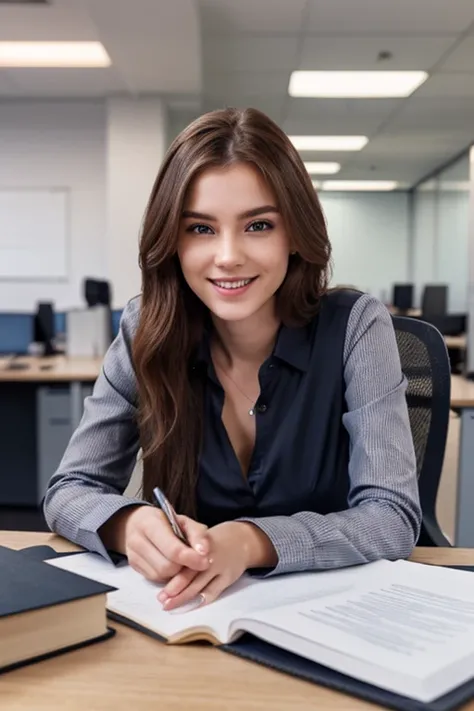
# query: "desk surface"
54,369
462,392
456,341
134,671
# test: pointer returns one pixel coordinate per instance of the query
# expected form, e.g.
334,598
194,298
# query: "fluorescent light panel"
355,84
53,54
359,185
329,143
317,168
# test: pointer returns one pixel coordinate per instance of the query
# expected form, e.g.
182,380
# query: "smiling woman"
271,411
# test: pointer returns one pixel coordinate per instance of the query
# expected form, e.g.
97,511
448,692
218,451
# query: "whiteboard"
34,233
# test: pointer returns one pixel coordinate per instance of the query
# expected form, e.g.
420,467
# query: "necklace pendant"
252,411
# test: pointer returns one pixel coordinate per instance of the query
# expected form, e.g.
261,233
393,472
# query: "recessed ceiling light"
53,54
355,84
329,143
315,168
360,185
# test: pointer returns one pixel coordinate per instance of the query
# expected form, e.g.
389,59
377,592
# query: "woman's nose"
228,252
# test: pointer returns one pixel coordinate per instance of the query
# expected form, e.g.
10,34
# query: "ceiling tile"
250,16
61,22
446,85
367,17
362,52
462,59
436,114
248,83
64,82
250,53
413,145
339,116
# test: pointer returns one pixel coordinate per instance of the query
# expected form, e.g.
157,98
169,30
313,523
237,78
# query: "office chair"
425,364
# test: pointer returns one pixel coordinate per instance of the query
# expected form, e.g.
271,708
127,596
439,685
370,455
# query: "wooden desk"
411,313
462,392
462,400
46,370
134,671
459,342
53,370
40,407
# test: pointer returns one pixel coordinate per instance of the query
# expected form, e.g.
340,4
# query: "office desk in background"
40,407
456,342
133,670
462,402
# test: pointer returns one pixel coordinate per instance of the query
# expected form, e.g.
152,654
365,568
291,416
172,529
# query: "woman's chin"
233,312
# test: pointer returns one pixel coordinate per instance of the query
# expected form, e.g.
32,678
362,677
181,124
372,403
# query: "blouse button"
261,408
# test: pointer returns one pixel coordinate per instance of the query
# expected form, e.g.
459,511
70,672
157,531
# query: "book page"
414,620
136,597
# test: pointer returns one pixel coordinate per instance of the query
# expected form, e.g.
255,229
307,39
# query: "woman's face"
233,246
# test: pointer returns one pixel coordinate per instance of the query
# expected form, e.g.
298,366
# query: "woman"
270,410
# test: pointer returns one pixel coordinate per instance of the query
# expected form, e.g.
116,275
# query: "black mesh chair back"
425,364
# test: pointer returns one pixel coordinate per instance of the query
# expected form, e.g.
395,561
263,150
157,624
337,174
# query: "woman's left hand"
234,547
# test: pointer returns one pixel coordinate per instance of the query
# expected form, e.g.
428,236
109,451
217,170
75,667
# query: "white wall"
369,233
107,153
441,233
49,144
425,246
453,218
136,143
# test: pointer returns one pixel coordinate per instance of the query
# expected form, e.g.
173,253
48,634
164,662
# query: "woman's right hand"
145,536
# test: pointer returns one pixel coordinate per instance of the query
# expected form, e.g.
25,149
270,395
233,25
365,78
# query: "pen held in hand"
165,506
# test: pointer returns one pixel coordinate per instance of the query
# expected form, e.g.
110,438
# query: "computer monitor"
16,333
402,296
435,300
97,292
44,327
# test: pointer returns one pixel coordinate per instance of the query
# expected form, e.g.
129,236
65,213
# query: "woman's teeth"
232,284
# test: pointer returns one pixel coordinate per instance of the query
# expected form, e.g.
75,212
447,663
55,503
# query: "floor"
33,520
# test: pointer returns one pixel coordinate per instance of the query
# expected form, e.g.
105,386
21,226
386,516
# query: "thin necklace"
252,409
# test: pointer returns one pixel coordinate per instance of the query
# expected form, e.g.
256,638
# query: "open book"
401,626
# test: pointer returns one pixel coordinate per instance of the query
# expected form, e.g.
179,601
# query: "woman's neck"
248,342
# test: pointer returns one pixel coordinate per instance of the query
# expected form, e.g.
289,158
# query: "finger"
142,567
190,593
177,584
196,534
214,589
162,567
173,549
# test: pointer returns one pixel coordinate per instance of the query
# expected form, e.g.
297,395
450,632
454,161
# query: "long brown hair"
172,317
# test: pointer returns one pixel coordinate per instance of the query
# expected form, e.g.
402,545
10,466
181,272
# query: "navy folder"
255,650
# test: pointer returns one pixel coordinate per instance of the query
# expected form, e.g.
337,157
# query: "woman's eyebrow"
263,209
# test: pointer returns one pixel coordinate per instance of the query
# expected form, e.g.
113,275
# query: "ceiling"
204,54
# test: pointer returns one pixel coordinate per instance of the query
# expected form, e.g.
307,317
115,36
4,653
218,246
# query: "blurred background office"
377,95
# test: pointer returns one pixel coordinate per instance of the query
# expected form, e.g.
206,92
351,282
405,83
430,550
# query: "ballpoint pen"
165,506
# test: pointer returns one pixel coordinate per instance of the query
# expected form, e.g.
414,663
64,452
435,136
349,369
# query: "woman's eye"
260,226
200,229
